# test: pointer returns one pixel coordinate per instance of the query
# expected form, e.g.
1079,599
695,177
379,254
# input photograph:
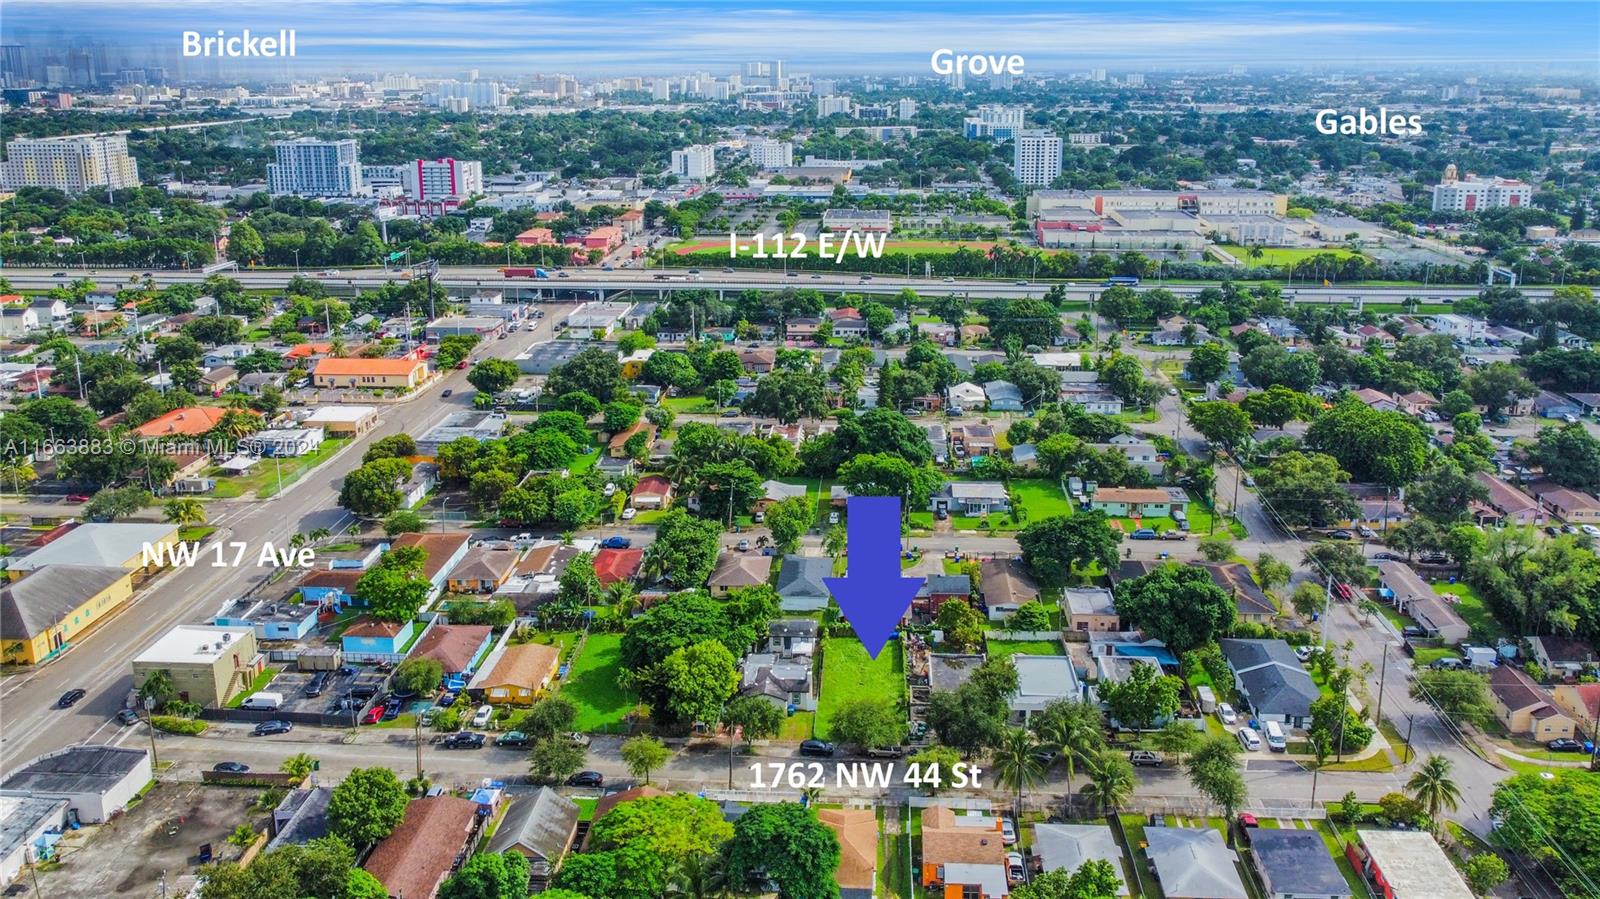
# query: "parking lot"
291,685
159,837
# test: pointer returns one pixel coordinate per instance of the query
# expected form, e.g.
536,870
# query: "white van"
481,719
1275,738
263,702
1249,740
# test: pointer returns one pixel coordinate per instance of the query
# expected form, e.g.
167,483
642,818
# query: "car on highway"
77,497
794,275
730,413
1021,283
463,740
563,274
59,275
608,267
949,280
816,277
586,779
819,748
70,698
616,542
230,767
727,269
269,728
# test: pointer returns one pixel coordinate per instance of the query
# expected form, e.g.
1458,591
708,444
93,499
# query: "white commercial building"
95,780
428,179
994,121
1476,193
827,106
1037,157
697,163
315,168
70,164
907,108
770,154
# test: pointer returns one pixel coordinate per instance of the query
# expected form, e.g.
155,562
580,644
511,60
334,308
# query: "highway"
101,663
463,279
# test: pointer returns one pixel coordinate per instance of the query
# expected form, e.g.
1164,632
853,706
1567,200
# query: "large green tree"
785,842
1177,604
1052,547
366,806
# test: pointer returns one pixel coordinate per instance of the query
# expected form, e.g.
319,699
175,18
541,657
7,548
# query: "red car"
373,715
78,498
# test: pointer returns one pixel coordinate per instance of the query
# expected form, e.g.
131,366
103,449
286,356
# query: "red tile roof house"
454,646
435,836
614,565
652,492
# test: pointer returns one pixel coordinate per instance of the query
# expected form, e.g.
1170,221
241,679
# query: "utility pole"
1383,671
417,726
150,725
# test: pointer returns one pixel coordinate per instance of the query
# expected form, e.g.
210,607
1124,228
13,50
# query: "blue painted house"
271,620
332,588
371,640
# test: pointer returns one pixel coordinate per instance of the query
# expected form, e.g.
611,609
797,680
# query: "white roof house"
189,643
109,545
966,394
1412,864
1065,847
1194,863
1042,680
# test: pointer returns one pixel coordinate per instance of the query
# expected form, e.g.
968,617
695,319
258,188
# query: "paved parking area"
159,837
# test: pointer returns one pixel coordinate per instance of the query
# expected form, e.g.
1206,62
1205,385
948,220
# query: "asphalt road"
101,663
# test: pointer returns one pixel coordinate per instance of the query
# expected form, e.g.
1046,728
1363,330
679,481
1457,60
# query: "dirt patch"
159,837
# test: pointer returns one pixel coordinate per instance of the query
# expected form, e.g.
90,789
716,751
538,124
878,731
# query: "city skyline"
827,36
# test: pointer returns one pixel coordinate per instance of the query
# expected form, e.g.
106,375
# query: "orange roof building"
857,830
415,859
190,421
613,565
370,373
537,237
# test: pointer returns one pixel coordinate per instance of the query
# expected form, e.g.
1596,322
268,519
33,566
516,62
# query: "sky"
843,36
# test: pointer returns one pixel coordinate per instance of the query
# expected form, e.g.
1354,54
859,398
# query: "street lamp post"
149,721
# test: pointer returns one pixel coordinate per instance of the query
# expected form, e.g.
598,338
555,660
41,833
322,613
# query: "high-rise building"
696,163
478,94
994,121
315,168
70,164
770,154
661,89
908,109
827,106
1134,79
1037,159
431,179
1473,193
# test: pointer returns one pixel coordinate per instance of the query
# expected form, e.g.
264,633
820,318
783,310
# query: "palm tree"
184,512
1111,781
1431,785
1073,731
699,875
624,599
1016,765
317,535
17,471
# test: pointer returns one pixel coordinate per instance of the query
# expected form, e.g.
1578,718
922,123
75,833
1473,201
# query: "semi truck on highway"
525,273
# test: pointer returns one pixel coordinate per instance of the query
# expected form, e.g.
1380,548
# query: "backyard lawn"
1470,605
592,684
1040,498
1001,649
848,673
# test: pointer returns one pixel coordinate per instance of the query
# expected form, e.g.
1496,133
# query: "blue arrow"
873,595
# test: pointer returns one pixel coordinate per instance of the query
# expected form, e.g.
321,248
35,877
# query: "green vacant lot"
1001,649
1281,255
1040,498
1471,607
848,673
592,684
263,477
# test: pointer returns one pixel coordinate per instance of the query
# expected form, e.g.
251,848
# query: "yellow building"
47,611
120,545
208,664
372,374
519,674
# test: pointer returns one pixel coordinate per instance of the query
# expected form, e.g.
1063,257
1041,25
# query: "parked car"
373,715
1015,871
586,779
71,697
463,740
616,543
1174,534
743,546
1366,532
578,739
1249,739
1226,714
481,717
268,728
821,748
1008,831
230,767
1340,534
629,513
1143,534
886,752
1451,663
391,709
515,738
127,717
1144,758
1565,745
318,682
1412,630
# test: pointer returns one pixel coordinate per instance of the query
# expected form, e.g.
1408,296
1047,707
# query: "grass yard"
797,727
1471,607
894,856
689,404
260,683
263,478
1003,649
848,673
1281,255
1357,884
1040,498
592,684
1428,655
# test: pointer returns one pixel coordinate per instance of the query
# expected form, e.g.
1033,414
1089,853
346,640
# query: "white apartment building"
70,164
1037,157
827,106
478,94
696,163
770,154
1474,193
430,179
315,168
661,89
1086,138
1052,204
994,121
907,108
